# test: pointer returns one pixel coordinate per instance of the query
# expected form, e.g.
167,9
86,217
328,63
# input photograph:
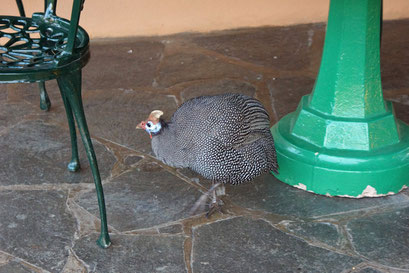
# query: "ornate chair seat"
33,49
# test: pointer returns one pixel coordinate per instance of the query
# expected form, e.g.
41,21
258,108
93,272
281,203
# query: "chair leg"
70,87
74,164
45,103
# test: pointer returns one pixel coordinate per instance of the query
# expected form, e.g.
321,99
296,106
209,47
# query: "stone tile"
406,191
133,253
114,114
195,178
282,48
245,245
323,232
125,63
36,153
11,114
268,194
36,227
172,229
402,111
383,237
143,198
395,54
3,92
182,67
132,160
17,102
286,93
30,93
371,270
218,87
120,88
15,267
25,97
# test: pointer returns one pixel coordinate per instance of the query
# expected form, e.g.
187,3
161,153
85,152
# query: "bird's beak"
141,126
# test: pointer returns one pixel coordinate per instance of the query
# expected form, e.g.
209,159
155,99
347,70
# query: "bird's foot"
215,206
215,203
220,191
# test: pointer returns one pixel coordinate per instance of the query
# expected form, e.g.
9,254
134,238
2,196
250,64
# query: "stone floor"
49,216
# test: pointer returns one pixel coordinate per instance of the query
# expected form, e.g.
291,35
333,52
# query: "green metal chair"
47,47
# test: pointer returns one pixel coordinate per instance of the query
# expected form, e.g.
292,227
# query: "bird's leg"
221,190
216,203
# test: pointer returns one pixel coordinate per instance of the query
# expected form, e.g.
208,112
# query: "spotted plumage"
225,138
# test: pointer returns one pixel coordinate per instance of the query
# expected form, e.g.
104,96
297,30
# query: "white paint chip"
369,191
301,186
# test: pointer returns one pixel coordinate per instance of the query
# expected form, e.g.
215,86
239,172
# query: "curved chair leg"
45,103
74,164
70,87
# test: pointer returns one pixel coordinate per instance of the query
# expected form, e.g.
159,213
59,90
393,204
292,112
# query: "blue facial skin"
152,128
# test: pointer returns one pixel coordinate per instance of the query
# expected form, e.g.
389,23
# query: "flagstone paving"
49,216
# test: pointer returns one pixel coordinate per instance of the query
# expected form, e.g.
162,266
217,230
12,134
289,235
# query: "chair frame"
66,68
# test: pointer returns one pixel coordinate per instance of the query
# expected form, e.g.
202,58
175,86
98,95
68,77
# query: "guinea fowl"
225,138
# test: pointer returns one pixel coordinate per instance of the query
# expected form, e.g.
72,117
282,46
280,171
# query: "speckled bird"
225,138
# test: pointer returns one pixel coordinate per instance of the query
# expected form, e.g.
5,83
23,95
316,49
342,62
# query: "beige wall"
107,18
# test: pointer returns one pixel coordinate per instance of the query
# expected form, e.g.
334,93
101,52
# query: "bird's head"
152,125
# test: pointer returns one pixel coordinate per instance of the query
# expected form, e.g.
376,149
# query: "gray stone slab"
371,270
123,64
383,237
284,48
244,60
245,245
144,198
132,160
395,54
401,107
26,96
3,93
172,229
268,194
187,66
322,232
286,93
36,153
36,227
133,253
114,114
12,113
195,177
30,93
15,267
218,87
406,191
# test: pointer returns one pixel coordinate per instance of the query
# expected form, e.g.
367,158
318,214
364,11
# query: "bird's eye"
149,124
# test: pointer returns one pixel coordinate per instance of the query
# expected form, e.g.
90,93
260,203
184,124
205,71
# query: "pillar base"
341,172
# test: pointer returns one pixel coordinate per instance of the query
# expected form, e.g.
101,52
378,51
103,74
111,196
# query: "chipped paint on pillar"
371,192
301,186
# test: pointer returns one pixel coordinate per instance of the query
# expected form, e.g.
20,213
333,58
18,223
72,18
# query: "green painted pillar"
343,139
